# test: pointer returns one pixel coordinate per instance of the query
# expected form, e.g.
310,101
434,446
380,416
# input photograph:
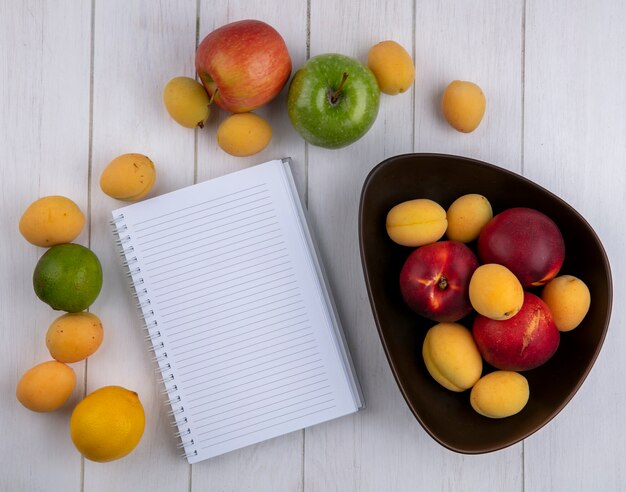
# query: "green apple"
333,100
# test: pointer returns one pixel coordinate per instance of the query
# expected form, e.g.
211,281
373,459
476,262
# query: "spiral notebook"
237,310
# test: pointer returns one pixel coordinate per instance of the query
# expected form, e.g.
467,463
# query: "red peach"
525,241
520,343
434,280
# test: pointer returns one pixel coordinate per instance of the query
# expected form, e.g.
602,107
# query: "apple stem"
335,95
212,97
442,283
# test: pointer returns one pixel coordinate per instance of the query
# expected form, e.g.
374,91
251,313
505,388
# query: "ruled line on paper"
267,427
203,325
185,250
254,315
205,228
184,237
212,310
302,351
227,274
196,205
255,347
230,388
252,366
303,390
247,296
254,242
239,265
195,261
195,221
313,352
263,392
205,295
247,376
214,338
212,343
262,414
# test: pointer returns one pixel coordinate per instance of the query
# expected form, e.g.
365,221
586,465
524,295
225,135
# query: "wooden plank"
372,450
139,46
480,42
276,464
383,448
44,139
574,145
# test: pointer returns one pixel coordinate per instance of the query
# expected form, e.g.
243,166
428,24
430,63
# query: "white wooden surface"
80,82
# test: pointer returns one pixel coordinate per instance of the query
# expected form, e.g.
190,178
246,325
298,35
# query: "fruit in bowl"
434,280
525,241
522,342
446,415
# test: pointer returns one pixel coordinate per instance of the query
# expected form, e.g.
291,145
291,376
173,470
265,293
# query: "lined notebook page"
244,335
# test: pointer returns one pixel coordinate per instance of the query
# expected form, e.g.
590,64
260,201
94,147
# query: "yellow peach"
392,66
495,292
51,220
463,105
416,222
500,394
451,356
467,216
568,298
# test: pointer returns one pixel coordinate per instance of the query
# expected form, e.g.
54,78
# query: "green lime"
68,277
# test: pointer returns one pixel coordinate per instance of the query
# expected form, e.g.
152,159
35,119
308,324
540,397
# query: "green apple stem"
335,95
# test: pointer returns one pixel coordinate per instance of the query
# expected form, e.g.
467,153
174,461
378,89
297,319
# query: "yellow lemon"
107,424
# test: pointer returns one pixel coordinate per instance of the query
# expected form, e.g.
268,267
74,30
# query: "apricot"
187,102
51,220
128,177
244,134
467,216
392,66
416,222
500,394
46,386
463,105
495,292
451,356
73,337
568,298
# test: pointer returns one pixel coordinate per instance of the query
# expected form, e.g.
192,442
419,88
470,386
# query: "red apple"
522,342
434,280
243,65
525,241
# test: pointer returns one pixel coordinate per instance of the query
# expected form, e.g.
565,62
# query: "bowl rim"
603,258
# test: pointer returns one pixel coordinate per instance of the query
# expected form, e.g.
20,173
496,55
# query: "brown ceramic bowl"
447,416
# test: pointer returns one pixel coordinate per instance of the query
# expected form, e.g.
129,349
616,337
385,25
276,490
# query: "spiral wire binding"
153,334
